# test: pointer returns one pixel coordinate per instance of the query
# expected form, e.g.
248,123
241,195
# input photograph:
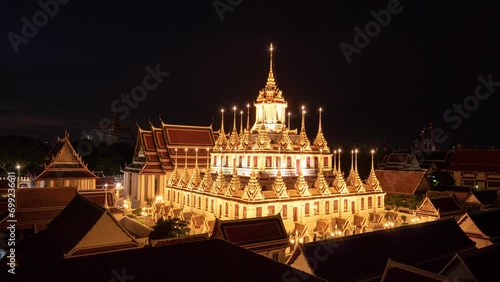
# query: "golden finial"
234,118
303,126
289,126
373,152
248,116
222,122
241,122
320,110
356,160
271,60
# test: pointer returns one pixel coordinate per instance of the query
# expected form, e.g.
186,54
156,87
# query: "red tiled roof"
189,135
400,181
475,160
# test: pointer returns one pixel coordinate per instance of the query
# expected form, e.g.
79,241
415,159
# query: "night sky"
427,58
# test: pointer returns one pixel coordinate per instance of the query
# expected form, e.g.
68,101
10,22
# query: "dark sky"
427,58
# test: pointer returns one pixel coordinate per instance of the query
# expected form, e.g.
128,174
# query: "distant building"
64,167
403,182
110,133
399,161
476,168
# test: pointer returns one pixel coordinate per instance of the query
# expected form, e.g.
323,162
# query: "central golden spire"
271,89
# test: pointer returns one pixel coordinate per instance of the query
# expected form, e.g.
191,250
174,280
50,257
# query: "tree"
394,201
169,228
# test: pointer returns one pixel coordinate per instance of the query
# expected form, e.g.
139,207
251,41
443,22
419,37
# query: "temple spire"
222,123
248,116
241,123
320,140
303,141
234,119
372,180
271,49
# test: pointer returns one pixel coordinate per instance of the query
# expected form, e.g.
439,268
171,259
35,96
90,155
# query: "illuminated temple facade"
253,171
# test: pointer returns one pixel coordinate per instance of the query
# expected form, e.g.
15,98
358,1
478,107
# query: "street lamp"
106,195
296,239
18,167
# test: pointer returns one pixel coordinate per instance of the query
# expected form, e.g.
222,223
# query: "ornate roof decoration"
372,180
263,140
284,140
184,179
320,141
207,181
233,138
221,142
279,186
195,180
271,89
220,183
303,140
339,183
301,185
174,177
234,184
253,189
351,172
357,183
247,136
321,183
